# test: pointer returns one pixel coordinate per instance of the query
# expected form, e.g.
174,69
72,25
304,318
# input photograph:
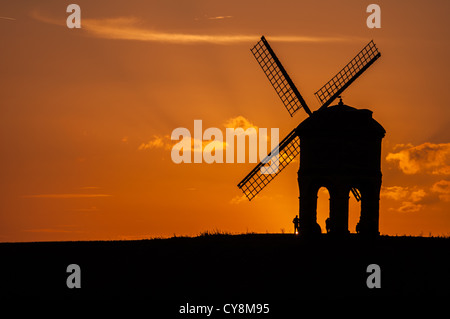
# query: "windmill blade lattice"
331,90
278,77
279,157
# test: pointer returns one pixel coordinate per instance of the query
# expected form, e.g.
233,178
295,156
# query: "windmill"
323,136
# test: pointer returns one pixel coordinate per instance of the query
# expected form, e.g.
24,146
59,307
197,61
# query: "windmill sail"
356,193
363,60
279,158
278,77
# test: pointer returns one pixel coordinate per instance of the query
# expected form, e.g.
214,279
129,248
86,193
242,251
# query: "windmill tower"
340,147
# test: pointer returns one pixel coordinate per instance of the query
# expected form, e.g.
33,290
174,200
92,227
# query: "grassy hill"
250,268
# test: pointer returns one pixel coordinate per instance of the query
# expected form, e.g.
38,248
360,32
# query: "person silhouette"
358,228
296,222
328,224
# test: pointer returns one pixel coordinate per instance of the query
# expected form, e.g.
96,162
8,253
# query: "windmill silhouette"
341,147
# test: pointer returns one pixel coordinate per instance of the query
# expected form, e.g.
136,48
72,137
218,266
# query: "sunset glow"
87,114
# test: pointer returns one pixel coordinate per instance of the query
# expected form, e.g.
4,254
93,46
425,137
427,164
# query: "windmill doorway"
354,212
323,207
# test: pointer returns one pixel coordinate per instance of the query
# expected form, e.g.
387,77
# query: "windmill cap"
341,118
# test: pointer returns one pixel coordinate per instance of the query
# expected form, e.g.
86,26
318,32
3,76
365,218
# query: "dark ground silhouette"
252,267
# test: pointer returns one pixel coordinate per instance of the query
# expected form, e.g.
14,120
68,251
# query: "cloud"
8,18
425,158
66,196
131,28
412,198
199,145
401,146
238,199
394,192
417,196
442,188
196,145
409,207
185,140
219,17
239,121
156,142
212,145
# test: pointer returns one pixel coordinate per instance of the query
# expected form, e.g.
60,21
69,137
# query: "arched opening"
323,207
354,212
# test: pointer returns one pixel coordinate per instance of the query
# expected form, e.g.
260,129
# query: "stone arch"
323,207
309,188
339,190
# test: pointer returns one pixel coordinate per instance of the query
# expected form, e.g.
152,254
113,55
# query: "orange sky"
86,113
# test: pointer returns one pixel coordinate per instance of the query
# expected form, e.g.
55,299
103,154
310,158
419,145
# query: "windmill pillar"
370,203
308,207
339,211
